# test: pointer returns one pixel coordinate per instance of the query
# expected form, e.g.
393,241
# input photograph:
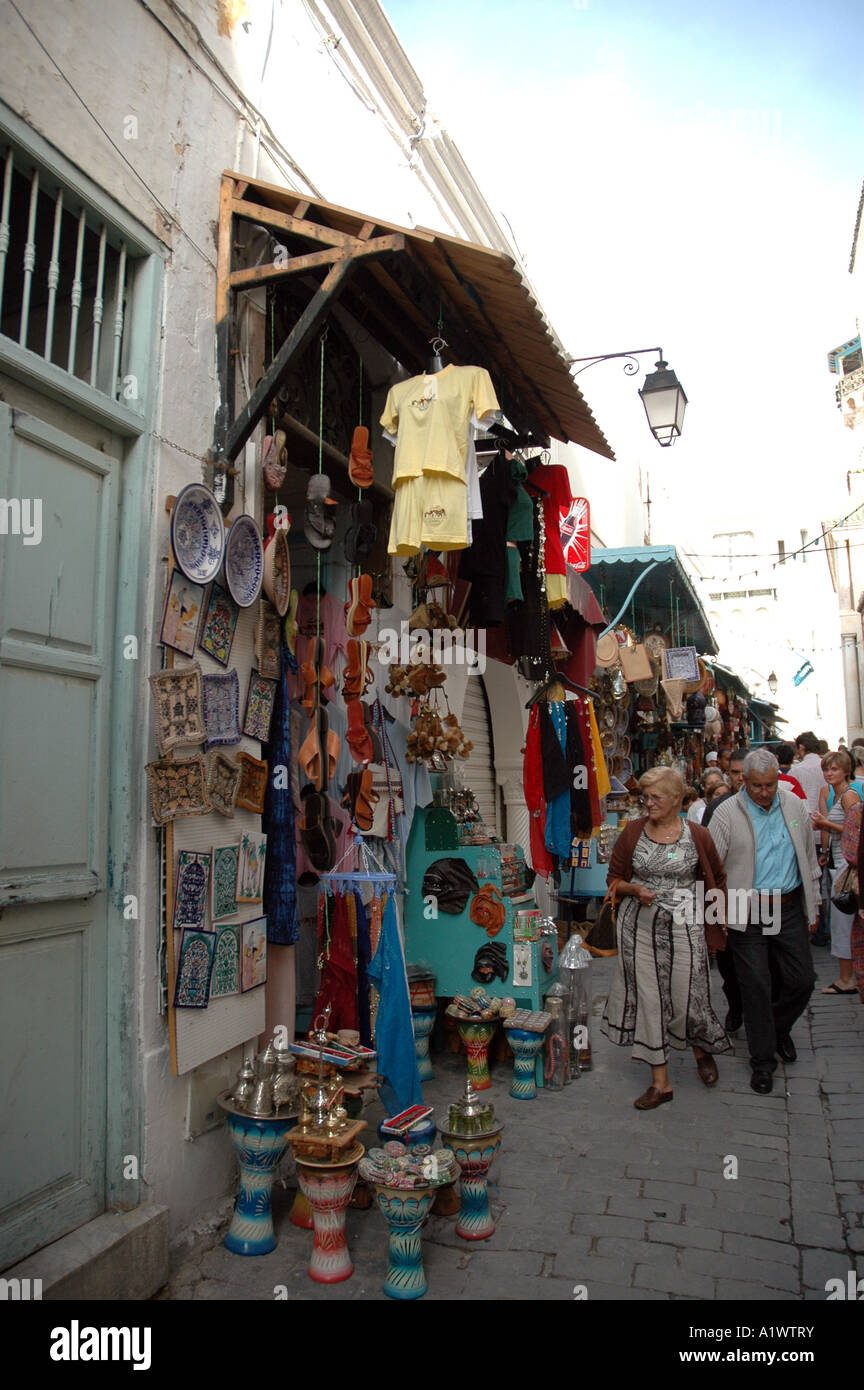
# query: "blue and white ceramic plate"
197,534
244,561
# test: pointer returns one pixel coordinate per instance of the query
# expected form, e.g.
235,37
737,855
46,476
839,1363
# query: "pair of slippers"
275,459
320,740
360,799
318,829
363,740
318,520
357,675
317,676
358,609
362,533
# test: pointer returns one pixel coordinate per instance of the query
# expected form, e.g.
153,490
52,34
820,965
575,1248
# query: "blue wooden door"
57,584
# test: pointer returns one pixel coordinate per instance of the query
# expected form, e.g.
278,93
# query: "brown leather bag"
601,937
488,909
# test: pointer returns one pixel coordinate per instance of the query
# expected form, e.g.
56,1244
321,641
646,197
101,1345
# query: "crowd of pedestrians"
747,872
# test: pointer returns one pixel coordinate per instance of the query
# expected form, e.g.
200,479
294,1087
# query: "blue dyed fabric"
394,1033
559,835
280,865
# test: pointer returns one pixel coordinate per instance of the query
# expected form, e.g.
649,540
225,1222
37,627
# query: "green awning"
665,597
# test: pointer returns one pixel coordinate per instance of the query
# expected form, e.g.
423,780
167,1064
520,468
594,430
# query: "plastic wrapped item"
556,1050
573,972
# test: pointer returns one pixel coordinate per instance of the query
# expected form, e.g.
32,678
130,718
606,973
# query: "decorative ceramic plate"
609,717
624,744
626,770
178,788
244,561
179,706
622,718
253,783
221,708
223,781
197,533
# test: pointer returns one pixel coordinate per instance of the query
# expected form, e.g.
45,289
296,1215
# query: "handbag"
845,895
601,936
851,833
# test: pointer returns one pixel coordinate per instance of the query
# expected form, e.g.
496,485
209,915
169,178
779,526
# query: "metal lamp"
772,683
664,401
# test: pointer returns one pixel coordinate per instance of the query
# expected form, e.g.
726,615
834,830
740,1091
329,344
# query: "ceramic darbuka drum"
328,1187
244,561
525,1047
476,1037
260,1144
474,1153
423,1021
197,533
405,1211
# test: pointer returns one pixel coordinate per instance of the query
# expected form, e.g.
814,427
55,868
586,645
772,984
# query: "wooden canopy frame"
489,313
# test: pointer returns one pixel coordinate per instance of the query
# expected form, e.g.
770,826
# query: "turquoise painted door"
57,583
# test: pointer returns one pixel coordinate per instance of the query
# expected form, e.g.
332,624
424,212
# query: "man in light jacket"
764,837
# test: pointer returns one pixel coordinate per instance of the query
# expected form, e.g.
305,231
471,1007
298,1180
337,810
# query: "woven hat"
607,650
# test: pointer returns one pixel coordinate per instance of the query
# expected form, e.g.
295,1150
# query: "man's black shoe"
762,1082
786,1050
733,1022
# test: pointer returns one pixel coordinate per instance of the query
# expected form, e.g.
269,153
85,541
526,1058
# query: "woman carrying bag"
836,801
660,994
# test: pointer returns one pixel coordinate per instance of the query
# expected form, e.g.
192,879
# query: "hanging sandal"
357,737
361,534
317,829
358,609
360,458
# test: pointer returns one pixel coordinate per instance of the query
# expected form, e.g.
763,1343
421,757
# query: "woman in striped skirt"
660,995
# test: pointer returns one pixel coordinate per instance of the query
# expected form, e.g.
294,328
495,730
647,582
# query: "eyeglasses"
651,798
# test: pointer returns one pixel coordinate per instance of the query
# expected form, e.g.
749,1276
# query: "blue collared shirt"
776,861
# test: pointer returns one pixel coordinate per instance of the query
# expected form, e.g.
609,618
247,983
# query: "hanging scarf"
394,1033
280,865
339,977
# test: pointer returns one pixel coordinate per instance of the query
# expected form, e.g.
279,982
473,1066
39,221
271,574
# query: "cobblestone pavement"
629,1205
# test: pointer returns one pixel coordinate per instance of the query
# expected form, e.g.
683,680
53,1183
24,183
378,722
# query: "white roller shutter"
478,770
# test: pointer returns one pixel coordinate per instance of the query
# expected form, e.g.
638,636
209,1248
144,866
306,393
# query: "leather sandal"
651,1098
360,458
358,609
356,676
707,1069
357,736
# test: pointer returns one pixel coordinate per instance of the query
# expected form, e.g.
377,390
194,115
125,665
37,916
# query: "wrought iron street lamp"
662,394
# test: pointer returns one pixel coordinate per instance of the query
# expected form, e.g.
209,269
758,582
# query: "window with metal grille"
64,275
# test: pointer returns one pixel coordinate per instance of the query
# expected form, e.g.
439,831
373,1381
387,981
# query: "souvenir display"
525,1030
244,561
253,953
221,693
681,663
223,881
178,788
226,962
194,967
423,1021
405,1182
268,639
260,1142
277,571
259,707
219,625
250,868
197,533
223,781
190,893
179,707
253,783
181,613
474,1138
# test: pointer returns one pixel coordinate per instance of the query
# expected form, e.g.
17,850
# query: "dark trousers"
786,957
726,966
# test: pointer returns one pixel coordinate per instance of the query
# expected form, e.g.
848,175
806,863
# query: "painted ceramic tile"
178,788
268,636
223,780
223,881
259,707
226,962
194,965
221,692
253,965
181,613
218,627
253,783
179,707
190,894
250,868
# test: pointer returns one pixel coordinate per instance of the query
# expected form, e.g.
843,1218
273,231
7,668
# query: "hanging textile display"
394,1033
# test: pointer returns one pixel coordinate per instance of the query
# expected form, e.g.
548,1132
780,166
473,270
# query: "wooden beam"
224,323
286,222
309,321
279,270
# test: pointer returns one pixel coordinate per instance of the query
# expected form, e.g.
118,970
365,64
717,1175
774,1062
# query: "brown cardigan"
711,870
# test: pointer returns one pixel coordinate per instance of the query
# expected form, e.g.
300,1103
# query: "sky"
683,175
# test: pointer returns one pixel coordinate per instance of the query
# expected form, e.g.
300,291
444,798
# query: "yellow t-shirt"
431,415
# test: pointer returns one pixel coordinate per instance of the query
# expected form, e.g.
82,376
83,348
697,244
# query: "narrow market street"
628,1206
